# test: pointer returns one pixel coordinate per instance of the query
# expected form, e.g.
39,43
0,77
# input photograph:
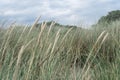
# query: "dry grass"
59,53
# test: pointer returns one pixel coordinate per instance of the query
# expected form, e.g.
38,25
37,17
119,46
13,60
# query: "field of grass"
60,53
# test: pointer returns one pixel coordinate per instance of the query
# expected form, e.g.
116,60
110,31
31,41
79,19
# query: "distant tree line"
110,17
56,24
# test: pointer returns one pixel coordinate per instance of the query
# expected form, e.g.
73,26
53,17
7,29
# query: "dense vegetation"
60,53
55,24
110,17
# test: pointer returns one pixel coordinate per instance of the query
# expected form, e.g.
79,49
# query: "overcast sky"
62,11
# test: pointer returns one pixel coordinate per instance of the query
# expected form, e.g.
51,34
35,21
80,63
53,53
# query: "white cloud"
104,1
13,12
6,1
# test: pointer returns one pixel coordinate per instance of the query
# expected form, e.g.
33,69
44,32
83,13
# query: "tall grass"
60,53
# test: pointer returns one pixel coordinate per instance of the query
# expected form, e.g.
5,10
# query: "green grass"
60,53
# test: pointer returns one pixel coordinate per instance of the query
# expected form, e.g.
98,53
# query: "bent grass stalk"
5,45
32,29
95,47
33,54
15,74
17,67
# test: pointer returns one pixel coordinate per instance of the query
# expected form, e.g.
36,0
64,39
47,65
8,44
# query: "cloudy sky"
62,11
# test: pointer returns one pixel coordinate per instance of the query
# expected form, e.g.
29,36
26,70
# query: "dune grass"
60,53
